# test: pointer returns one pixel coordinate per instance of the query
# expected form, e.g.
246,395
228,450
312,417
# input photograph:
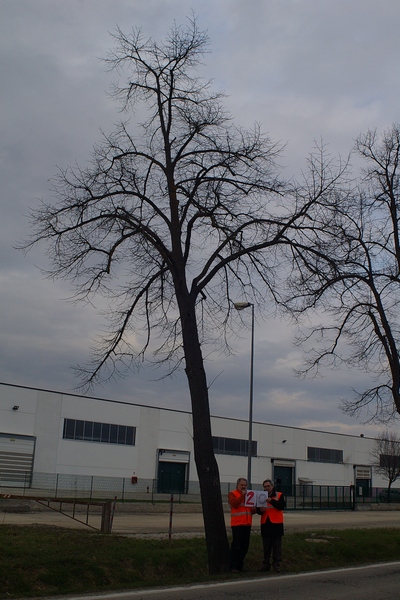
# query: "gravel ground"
147,520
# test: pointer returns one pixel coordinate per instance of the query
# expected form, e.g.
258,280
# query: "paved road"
380,582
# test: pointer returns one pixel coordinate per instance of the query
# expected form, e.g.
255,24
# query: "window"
389,461
78,434
90,431
233,446
105,433
96,432
327,455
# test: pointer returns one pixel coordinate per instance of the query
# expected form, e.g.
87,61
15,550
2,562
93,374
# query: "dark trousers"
239,546
272,544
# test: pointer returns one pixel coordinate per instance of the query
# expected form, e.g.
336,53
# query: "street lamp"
242,306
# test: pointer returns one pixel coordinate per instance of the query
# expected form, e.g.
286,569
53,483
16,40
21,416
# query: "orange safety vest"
242,514
272,513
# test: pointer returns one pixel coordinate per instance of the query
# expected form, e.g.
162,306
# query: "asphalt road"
380,582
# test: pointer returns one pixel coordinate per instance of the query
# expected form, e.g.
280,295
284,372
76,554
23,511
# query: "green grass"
43,561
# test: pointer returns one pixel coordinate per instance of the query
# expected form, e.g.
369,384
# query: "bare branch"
352,274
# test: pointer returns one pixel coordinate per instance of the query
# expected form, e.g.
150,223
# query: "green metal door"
171,478
283,477
363,487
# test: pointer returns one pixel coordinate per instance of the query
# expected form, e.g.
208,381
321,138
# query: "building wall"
160,433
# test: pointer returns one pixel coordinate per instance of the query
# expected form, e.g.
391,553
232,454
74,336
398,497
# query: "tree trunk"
207,467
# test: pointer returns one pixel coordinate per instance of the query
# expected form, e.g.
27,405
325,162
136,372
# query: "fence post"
171,510
353,497
106,518
114,504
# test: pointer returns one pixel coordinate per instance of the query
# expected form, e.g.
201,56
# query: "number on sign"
251,498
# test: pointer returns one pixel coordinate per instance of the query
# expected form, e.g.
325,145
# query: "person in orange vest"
272,527
241,520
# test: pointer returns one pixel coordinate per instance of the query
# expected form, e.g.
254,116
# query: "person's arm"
278,504
235,501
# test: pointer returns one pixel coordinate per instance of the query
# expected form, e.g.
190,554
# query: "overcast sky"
304,69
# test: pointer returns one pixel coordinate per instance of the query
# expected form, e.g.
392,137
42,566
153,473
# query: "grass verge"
47,561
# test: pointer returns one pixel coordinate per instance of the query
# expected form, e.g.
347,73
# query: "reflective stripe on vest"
272,513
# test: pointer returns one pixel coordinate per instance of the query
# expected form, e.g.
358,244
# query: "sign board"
256,498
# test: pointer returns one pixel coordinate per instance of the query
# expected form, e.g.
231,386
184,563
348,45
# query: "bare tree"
356,277
386,457
172,221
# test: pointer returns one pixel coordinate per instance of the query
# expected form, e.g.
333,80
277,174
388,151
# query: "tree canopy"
170,219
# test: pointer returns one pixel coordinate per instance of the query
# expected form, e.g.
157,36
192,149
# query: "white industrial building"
48,432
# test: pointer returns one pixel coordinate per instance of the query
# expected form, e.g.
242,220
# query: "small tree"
172,222
386,457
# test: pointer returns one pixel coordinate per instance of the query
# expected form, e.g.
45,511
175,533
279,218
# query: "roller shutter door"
16,460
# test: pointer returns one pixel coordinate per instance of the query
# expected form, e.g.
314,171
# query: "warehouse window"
389,461
91,431
233,446
326,455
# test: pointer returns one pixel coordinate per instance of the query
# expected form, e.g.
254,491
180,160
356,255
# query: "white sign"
256,498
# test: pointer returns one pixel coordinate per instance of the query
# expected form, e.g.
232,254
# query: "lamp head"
242,305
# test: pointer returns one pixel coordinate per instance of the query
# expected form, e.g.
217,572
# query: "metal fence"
97,488
318,497
91,487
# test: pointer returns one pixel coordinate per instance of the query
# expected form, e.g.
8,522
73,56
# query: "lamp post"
242,306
